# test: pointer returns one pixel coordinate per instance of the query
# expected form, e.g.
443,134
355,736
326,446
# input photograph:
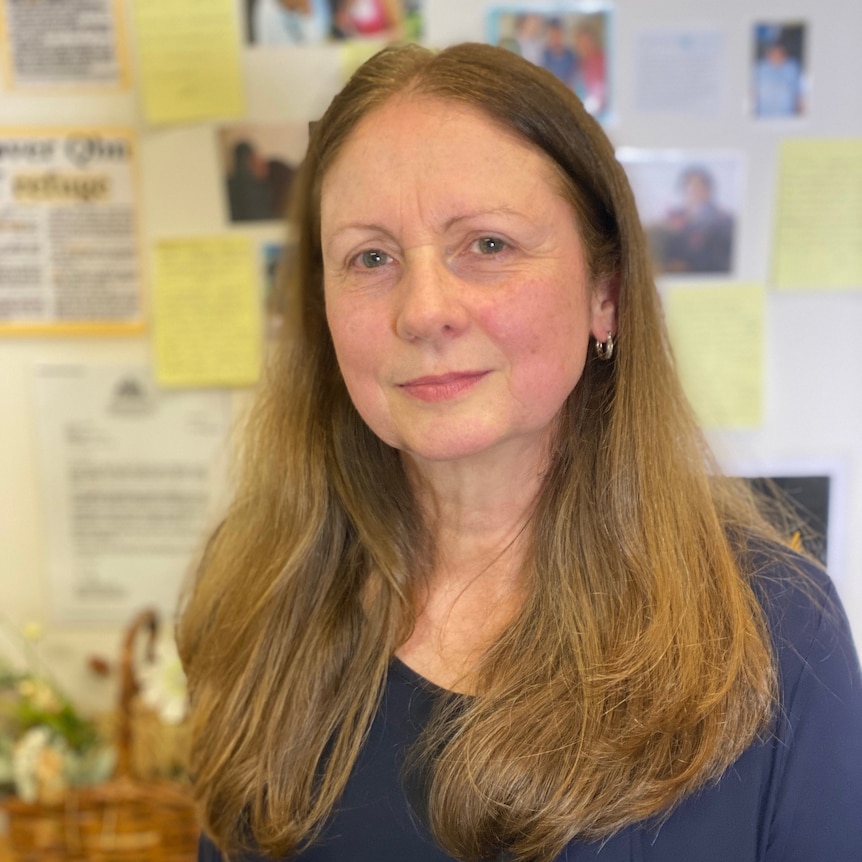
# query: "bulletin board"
147,149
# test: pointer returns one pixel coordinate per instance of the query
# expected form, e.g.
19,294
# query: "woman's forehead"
408,124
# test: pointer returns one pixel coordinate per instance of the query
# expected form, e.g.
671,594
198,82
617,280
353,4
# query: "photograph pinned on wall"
689,203
259,163
571,40
287,22
312,22
276,257
804,504
779,83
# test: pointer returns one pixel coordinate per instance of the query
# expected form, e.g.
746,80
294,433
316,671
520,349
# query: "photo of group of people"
568,41
308,22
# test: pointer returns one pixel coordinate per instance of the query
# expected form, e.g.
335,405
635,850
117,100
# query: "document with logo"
132,480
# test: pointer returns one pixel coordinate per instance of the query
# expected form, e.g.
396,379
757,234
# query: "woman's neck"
478,515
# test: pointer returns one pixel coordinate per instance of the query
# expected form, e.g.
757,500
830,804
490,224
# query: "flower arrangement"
138,799
46,744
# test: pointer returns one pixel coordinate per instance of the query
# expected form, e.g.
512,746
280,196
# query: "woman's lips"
441,387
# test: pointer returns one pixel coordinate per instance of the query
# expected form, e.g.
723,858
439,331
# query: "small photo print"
688,203
804,502
778,77
275,259
259,163
312,22
570,40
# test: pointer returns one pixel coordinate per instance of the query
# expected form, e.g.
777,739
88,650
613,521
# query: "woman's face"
456,288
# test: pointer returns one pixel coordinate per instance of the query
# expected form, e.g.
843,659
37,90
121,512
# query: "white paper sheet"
132,478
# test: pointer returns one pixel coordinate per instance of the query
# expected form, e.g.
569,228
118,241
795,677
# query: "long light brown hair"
638,667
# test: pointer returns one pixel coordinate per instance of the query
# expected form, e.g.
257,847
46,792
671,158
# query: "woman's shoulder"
801,605
806,619
817,733
795,794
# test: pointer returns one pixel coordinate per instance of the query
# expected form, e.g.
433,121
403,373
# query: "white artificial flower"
163,684
38,764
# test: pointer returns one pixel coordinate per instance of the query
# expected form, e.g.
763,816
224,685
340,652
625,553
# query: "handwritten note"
717,335
818,241
189,59
207,318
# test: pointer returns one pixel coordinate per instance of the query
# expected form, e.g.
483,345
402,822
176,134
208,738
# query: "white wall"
814,352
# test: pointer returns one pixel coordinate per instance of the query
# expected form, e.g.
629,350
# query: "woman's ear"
604,306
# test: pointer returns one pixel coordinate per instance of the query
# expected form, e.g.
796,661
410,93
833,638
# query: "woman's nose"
430,300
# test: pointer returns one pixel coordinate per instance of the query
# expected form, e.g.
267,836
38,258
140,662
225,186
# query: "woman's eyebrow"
502,210
370,227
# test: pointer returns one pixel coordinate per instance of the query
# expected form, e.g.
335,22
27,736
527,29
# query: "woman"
482,594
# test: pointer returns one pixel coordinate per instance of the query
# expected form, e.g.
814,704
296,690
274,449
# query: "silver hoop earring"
605,349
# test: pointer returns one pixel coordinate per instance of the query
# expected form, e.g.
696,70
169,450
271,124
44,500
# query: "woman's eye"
372,258
490,245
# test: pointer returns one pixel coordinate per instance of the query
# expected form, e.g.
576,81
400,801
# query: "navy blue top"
796,797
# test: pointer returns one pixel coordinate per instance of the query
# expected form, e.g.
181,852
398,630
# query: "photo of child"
778,71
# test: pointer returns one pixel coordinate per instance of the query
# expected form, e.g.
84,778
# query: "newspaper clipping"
69,254
68,43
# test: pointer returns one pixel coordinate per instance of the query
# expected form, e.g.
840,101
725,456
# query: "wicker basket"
43,833
122,820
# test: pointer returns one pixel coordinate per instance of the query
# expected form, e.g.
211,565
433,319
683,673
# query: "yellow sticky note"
717,333
188,55
206,309
818,239
354,52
